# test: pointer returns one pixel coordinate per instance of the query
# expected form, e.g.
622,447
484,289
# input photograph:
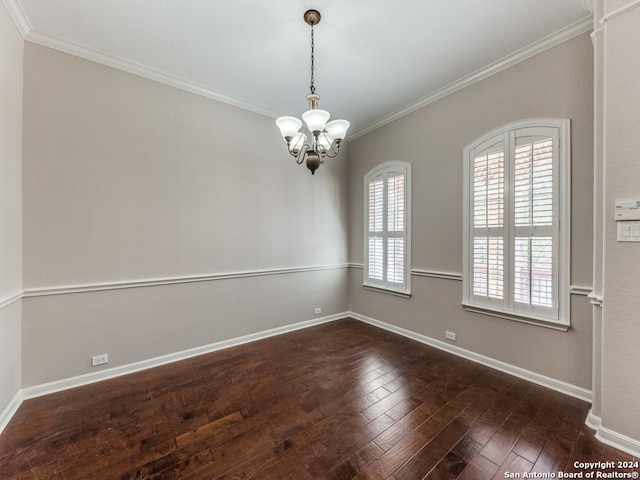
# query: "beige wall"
11,53
62,332
555,83
128,180
620,355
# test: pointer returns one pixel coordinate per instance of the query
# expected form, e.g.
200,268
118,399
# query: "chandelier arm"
334,146
333,151
302,153
294,155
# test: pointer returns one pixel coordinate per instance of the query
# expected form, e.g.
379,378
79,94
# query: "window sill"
397,293
539,322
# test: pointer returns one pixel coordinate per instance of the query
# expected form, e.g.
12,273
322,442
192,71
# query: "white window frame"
558,314
384,171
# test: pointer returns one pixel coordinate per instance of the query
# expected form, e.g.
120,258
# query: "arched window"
387,260
516,216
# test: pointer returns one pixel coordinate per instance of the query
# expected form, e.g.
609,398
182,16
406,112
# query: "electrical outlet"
318,311
450,336
99,359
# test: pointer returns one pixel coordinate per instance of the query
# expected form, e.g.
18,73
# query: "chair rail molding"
9,299
153,282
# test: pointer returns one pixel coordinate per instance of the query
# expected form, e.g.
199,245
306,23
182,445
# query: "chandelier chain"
314,139
313,88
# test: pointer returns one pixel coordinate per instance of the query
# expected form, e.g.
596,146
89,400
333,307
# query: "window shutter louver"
387,217
395,225
376,258
533,219
376,221
488,222
514,181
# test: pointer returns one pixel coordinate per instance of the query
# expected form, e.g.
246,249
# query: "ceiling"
374,59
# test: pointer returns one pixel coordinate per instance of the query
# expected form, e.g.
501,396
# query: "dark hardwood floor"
337,401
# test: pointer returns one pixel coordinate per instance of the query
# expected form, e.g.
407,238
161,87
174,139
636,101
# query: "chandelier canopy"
316,138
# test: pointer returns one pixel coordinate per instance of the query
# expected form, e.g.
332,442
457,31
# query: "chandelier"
317,138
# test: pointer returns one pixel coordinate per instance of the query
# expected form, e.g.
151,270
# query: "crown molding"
143,71
16,12
550,41
19,17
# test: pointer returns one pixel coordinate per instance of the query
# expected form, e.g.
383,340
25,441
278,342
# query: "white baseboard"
11,409
603,434
614,439
86,379
552,383
593,421
619,441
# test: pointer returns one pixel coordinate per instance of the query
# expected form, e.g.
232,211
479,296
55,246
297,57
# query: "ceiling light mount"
312,17
315,139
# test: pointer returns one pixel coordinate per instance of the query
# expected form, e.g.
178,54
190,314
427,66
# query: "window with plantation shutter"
387,216
516,222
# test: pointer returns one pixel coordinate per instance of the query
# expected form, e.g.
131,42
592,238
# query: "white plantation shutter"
376,228
375,270
488,222
533,221
395,227
517,190
386,227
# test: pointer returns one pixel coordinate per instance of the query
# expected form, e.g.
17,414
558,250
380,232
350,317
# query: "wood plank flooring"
343,400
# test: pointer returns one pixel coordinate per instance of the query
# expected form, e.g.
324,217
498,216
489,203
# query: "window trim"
403,290
561,320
